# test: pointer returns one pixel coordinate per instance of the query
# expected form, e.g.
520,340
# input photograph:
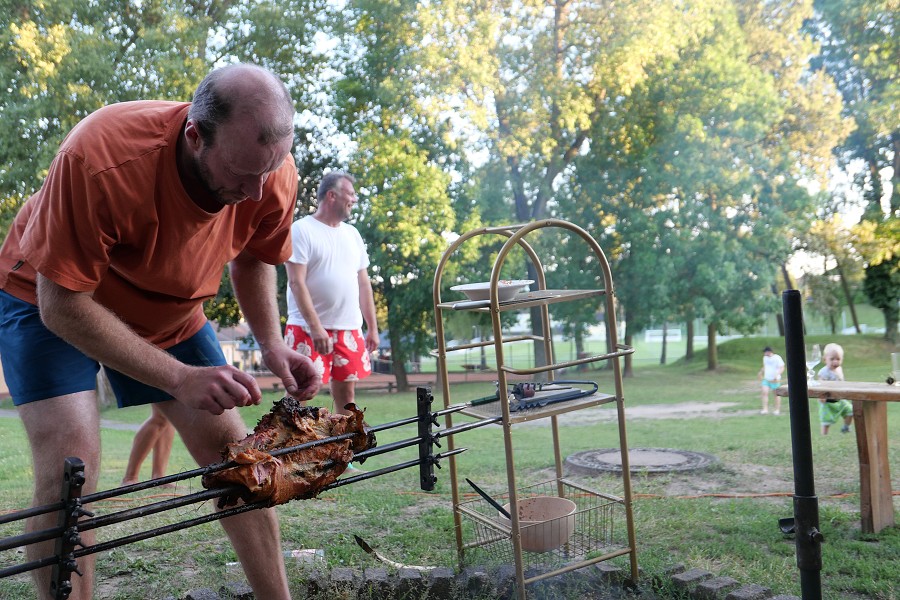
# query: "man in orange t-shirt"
111,261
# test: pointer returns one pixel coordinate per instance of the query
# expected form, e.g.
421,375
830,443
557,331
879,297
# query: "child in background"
157,434
831,410
770,376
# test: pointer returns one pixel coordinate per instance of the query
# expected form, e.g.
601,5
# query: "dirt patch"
682,410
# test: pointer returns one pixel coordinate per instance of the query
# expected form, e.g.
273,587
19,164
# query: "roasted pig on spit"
296,475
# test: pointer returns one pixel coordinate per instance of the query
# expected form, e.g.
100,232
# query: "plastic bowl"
546,522
506,289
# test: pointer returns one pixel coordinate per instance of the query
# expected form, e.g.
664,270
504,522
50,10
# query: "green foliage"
882,286
404,213
681,188
66,59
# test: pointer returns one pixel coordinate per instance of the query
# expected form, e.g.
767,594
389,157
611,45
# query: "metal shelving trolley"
602,525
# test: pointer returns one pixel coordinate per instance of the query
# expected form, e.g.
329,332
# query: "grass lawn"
723,519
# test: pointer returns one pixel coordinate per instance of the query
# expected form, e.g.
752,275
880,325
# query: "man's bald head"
243,89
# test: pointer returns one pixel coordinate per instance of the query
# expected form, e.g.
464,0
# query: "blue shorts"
773,385
37,364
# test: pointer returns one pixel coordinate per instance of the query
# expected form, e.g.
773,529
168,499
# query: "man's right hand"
321,340
217,389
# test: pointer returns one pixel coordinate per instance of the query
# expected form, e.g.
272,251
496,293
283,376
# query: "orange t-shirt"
113,218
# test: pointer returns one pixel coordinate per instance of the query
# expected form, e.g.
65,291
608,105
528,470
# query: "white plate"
506,289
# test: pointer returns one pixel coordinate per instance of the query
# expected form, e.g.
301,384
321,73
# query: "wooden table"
870,423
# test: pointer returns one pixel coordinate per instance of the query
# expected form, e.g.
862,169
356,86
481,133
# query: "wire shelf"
599,527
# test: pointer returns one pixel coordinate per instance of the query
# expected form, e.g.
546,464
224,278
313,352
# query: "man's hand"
322,341
299,375
216,389
372,340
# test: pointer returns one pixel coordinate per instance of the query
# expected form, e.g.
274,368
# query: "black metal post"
73,480
427,478
808,539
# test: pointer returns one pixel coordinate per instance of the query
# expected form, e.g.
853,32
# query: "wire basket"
599,527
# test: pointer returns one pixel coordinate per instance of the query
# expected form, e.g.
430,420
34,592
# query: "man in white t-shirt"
770,374
329,293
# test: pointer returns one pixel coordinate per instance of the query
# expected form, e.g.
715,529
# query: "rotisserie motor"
296,475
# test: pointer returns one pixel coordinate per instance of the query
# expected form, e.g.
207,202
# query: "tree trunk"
788,282
779,318
890,326
689,331
662,356
400,375
847,295
788,285
540,357
398,361
579,349
579,343
712,352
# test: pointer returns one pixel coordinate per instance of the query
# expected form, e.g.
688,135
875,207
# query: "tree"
861,48
404,212
532,77
66,59
831,239
882,286
697,177
403,158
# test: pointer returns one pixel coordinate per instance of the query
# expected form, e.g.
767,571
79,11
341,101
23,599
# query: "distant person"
156,434
770,375
831,410
329,293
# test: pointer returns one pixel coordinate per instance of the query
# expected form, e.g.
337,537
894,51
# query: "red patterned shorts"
349,361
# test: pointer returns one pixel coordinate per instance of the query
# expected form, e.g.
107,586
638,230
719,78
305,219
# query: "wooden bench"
870,422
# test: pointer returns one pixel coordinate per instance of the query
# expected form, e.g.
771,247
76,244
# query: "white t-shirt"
771,364
333,257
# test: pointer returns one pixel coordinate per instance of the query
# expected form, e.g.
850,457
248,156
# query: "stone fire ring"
641,460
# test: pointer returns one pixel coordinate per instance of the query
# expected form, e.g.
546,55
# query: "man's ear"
192,136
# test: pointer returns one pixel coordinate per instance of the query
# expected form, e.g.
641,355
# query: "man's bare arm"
77,318
297,280
254,288
367,307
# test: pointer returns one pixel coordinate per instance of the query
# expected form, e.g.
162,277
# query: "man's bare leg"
58,428
255,535
155,434
162,449
343,393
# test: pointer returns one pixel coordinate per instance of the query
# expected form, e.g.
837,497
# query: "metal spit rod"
222,514
200,471
426,418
